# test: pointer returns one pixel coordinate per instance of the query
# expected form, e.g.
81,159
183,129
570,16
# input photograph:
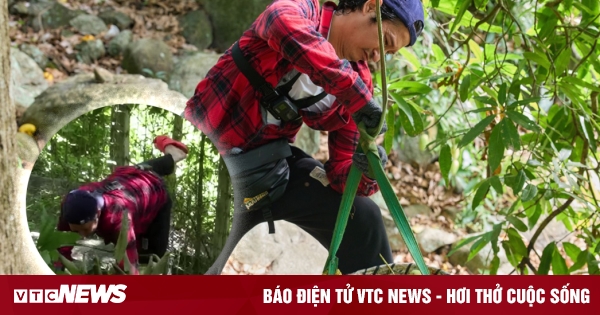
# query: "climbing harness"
367,145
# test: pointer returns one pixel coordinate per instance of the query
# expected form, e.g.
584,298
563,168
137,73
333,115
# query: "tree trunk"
199,207
18,252
224,197
119,135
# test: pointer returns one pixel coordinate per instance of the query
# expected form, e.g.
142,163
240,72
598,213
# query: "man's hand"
369,114
362,163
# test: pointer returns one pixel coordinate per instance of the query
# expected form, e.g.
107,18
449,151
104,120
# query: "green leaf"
502,94
588,131
121,245
580,261
465,87
410,87
571,250
464,242
580,82
435,3
411,58
525,102
532,220
445,161
542,61
510,254
475,131
410,118
494,237
481,193
477,247
516,242
546,260
559,266
510,135
496,148
592,264
529,192
522,120
517,223
515,182
494,265
495,181
564,154
563,61
388,138
461,11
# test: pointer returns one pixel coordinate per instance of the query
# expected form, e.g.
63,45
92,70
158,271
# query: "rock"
418,209
112,32
302,254
118,44
409,151
20,8
36,54
197,29
88,24
257,247
555,231
148,55
230,21
190,70
117,18
482,260
27,79
394,237
290,250
430,239
308,140
52,15
90,51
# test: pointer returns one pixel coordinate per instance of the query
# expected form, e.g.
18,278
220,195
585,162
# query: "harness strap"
258,82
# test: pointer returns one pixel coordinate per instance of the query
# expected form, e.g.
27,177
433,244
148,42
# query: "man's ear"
370,6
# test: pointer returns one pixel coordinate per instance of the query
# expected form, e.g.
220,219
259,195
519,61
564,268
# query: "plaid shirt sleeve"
342,145
288,29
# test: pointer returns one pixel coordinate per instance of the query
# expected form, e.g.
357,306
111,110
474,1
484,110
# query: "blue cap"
410,12
80,206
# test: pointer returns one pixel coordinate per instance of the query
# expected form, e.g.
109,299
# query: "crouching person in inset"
97,208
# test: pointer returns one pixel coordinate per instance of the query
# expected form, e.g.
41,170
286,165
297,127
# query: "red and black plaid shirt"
143,195
287,35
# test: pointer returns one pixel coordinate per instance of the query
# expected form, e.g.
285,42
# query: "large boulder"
149,57
197,29
27,79
88,24
290,250
48,14
189,70
231,18
117,18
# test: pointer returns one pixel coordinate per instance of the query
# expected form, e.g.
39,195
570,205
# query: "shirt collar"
326,14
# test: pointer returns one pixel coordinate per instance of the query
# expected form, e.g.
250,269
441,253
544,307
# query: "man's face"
355,36
85,230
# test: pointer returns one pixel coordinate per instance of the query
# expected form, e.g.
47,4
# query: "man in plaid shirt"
329,48
140,190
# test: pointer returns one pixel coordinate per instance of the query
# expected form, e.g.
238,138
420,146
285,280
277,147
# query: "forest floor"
154,19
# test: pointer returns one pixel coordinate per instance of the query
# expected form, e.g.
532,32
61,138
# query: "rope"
367,144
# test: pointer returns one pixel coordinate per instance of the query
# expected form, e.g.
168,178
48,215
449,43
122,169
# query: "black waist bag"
259,177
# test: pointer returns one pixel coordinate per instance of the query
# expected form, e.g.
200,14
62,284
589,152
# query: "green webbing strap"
367,144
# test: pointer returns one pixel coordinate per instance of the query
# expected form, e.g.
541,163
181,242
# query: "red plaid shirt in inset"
148,195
